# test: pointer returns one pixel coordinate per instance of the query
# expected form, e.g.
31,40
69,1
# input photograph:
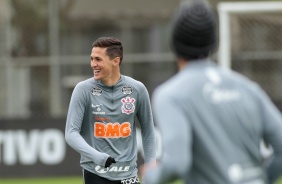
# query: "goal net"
250,35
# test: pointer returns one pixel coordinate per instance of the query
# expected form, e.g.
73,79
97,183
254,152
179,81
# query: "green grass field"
65,180
59,180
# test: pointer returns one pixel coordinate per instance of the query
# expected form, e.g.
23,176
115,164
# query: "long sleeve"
272,121
145,119
176,140
73,127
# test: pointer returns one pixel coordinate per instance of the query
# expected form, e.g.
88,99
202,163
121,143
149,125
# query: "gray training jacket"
212,122
101,123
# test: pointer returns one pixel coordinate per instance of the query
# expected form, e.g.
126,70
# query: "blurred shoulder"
86,83
241,79
170,87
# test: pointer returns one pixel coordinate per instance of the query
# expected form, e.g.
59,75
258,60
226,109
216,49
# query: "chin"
97,77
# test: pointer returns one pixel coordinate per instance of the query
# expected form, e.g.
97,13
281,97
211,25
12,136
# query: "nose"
93,63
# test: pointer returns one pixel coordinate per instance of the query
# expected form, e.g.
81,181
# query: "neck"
112,80
181,63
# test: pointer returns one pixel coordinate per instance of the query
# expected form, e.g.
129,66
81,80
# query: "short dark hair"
113,45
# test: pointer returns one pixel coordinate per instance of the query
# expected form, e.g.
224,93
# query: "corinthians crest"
127,105
96,91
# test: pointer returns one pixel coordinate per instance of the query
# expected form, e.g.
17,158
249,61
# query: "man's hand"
109,162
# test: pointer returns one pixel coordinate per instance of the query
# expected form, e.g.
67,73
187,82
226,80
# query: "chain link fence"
45,47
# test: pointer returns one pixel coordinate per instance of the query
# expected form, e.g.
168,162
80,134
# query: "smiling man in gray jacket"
101,124
212,120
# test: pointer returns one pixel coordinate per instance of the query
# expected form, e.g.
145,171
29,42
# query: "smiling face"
104,68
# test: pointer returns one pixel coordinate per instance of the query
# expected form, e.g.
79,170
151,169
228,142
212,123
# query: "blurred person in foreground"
212,120
101,119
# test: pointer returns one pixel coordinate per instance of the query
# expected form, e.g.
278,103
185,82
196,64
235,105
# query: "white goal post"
225,9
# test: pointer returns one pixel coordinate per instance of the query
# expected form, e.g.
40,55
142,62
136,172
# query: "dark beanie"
194,30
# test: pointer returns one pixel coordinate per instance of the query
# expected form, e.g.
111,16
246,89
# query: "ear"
116,60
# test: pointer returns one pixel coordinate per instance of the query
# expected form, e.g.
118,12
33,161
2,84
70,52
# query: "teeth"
96,71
